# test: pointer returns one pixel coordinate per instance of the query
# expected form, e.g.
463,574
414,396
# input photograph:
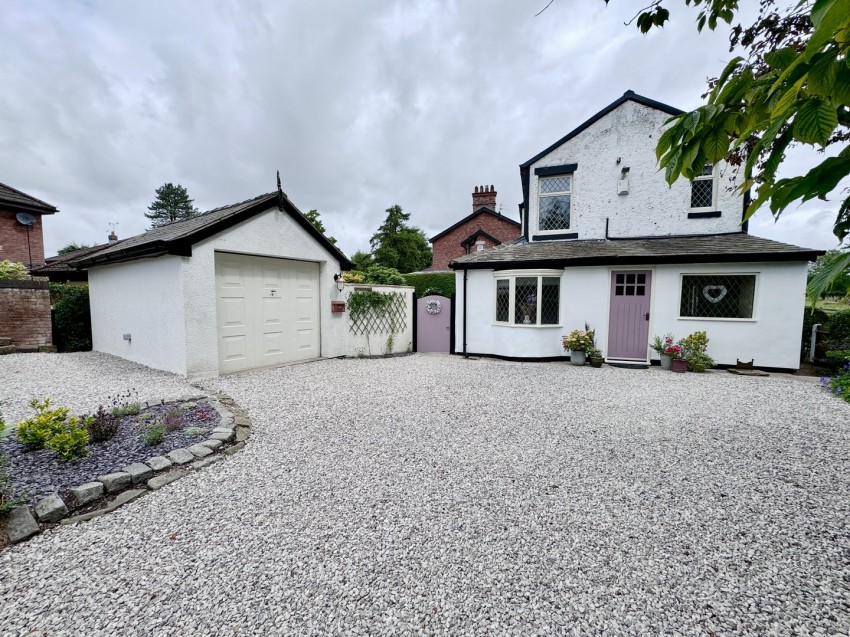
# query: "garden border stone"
137,479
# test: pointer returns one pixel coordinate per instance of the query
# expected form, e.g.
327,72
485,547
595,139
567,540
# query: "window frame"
752,319
713,178
541,195
512,276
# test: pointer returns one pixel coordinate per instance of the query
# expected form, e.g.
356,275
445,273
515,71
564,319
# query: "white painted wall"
772,338
376,344
270,234
651,208
142,298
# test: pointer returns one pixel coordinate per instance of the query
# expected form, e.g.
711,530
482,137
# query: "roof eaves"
475,213
38,204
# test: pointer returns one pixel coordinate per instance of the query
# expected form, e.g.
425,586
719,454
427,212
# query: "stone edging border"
137,479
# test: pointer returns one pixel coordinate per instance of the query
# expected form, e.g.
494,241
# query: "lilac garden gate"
433,324
628,321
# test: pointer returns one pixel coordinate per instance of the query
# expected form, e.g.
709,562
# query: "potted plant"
677,362
695,351
660,344
595,357
578,343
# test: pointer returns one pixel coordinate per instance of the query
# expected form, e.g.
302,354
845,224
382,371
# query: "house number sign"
433,306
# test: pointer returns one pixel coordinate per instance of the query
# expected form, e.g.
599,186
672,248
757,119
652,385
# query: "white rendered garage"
239,287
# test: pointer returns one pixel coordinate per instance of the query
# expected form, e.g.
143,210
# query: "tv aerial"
27,220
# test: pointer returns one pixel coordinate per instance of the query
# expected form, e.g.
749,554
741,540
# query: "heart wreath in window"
433,306
714,293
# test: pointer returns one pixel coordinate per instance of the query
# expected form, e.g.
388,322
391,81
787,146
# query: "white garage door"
268,311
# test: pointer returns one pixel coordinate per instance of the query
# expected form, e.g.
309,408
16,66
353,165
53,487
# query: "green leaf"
841,89
828,17
674,164
715,144
691,121
842,221
688,158
730,68
823,74
665,141
825,276
815,121
777,154
781,59
788,99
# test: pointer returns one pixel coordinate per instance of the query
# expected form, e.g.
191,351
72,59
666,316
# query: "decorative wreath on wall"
714,293
433,306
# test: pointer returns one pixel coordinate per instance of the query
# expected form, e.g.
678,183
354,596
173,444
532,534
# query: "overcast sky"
360,105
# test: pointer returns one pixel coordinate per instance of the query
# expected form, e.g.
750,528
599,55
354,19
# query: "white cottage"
243,286
606,241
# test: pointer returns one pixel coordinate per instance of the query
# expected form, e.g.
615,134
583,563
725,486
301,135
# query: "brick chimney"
484,196
112,236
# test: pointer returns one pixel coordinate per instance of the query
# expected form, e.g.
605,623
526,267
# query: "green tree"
362,261
793,87
72,247
172,203
398,245
313,216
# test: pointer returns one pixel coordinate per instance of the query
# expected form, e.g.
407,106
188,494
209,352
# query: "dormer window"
554,209
702,190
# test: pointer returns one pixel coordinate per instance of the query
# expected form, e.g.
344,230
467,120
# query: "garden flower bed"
36,473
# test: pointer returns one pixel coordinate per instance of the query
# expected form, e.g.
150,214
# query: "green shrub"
838,324
102,426
839,384
72,442
442,283
153,434
173,419
194,431
130,409
12,271
837,354
71,317
379,275
694,350
34,433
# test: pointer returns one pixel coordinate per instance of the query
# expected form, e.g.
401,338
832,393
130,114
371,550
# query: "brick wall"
448,247
25,312
13,240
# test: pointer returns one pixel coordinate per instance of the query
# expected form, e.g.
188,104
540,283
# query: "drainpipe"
465,272
812,343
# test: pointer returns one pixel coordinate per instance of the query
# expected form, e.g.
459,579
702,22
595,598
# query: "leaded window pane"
550,296
526,300
701,193
503,300
555,212
708,169
555,184
718,295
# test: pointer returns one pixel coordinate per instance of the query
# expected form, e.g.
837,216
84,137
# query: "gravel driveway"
428,495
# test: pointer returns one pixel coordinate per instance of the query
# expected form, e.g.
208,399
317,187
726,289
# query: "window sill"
554,236
704,214
531,325
723,320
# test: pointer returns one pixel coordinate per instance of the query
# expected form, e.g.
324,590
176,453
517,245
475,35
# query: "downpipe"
465,273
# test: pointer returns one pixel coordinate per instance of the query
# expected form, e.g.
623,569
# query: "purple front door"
628,320
433,324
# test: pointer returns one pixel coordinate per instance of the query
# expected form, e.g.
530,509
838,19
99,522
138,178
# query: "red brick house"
483,229
25,324
19,242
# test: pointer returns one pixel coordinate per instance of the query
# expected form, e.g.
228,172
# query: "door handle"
646,316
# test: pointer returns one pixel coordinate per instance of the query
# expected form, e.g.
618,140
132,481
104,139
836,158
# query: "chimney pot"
484,196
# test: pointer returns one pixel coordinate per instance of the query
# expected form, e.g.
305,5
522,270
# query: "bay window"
528,298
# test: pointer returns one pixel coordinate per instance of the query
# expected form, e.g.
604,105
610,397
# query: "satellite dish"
25,219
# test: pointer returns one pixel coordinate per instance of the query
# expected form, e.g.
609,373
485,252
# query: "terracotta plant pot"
679,366
596,361
578,358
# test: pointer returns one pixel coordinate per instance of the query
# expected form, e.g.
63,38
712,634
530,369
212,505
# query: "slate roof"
62,262
482,210
16,199
178,237
714,248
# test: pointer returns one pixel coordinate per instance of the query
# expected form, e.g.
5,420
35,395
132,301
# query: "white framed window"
553,212
718,296
704,190
479,246
528,298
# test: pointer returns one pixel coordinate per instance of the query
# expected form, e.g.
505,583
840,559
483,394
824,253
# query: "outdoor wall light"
340,282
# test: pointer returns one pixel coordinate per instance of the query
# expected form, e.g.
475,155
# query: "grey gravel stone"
528,499
158,463
51,509
21,525
200,450
180,456
160,481
224,437
139,472
212,443
206,462
113,482
239,446
243,421
85,493
243,433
